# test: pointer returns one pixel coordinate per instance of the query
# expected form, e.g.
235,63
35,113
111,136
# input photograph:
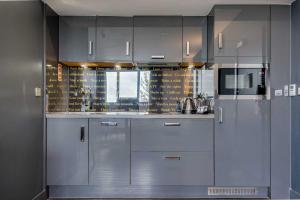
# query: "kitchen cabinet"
172,168
242,30
172,152
172,135
109,152
114,39
77,37
242,143
157,39
67,151
194,39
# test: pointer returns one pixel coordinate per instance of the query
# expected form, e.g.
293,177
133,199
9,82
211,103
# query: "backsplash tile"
155,90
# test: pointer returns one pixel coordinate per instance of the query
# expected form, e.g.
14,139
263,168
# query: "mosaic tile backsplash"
154,90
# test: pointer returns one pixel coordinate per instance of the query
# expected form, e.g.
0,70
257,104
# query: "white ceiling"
144,7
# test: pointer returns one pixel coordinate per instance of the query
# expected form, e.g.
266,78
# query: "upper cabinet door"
114,39
194,39
242,31
77,36
157,39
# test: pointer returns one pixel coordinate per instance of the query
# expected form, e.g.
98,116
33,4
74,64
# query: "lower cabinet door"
172,168
109,157
67,151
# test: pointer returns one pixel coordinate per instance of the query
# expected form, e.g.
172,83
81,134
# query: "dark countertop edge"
133,116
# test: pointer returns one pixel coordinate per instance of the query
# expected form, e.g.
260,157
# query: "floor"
144,199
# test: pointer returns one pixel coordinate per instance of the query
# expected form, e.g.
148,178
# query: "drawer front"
172,134
172,168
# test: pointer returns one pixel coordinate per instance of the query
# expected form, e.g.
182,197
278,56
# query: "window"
123,85
128,84
111,87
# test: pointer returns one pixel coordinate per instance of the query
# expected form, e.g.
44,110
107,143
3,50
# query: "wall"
280,106
295,78
21,113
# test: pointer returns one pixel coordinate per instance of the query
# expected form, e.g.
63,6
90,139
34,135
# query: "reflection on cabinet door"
109,157
67,152
157,39
77,37
242,143
114,39
242,30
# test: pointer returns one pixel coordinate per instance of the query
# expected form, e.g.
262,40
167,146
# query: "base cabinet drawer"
172,135
172,168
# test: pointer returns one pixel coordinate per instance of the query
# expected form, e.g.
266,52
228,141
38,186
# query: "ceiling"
144,7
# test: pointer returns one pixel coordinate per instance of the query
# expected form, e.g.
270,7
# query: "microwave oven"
242,81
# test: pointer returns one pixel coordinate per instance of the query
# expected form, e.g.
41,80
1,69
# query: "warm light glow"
48,65
84,66
191,67
118,67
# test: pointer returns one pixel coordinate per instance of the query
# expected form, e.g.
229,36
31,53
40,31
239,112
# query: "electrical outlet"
293,90
286,90
38,92
278,93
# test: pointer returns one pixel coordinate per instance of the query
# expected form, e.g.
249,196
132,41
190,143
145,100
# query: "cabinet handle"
109,124
220,40
172,157
82,134
188,48
90,47
127,48
158,57
220,115
172,124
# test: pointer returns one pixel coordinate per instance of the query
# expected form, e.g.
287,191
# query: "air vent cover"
232,191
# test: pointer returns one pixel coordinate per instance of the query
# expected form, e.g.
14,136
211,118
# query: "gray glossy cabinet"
242,143
172,152
172,168
242,30
157,39
67,151
194,39
114,39
109,151
172,135
77,37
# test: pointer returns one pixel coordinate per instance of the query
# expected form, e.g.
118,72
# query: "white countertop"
126,115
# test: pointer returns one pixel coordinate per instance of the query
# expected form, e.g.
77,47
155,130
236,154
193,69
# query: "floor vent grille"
232,191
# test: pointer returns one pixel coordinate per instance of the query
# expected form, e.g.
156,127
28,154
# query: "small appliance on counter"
188,106
199,105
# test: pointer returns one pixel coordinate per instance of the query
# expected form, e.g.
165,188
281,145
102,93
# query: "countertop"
126,115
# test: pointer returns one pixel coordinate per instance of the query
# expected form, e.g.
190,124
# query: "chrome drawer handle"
109,124
91,48
188,48
158,57
220,115
127,48
172,124
220,40
172,157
